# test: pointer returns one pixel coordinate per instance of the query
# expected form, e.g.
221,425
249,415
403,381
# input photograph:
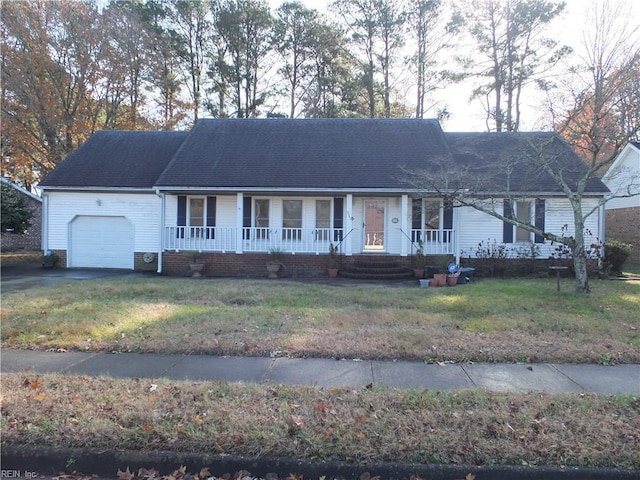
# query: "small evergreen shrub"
615,254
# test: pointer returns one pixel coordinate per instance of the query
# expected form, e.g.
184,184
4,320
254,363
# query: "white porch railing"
213,239
254,239
286,240
435,241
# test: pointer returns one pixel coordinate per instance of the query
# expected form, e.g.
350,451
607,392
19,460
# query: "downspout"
44,240
161,242
602,231
456,230
348,224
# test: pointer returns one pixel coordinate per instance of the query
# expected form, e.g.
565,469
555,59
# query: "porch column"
404,225
348,225
239,221
163,209
456,241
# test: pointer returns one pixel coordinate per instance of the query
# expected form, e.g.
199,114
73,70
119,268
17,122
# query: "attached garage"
101,242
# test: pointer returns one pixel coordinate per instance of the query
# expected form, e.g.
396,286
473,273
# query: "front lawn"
485,321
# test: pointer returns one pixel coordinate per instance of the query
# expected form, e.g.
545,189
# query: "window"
525,211
291,219
193,214
523,214
196,212
323,219
261,218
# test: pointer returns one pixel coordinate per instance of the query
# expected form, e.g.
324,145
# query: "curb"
23,461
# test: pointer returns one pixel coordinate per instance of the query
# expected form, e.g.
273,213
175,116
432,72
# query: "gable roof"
511,160
117,159
20,189
303,154
620,159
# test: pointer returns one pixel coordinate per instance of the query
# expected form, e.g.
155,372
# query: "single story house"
31,239
623,208
237,190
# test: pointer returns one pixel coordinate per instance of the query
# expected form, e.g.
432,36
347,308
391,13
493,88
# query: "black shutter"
246,216
447,215
182,215
507,228
416,213
211,216
540,206
338,218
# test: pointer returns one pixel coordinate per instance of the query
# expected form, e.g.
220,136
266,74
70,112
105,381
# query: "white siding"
624,178
475,227
142,210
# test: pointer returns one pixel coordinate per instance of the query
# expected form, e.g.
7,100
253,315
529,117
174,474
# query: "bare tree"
497,173
509,37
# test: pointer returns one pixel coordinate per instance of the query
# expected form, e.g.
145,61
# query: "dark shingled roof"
112,158
493,154
311,154
304,154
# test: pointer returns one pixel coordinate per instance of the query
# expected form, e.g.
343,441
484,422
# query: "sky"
467,116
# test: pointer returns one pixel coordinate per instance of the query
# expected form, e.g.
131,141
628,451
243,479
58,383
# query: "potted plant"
273,264
50,259
196,265
332,271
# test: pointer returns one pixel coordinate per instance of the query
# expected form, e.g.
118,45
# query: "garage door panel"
101,242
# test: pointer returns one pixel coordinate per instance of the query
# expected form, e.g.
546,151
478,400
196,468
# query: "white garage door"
101,242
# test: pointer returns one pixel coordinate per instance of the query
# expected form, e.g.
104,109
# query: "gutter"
161,237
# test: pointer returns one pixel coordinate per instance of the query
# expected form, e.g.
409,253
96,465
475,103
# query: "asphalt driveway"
28,276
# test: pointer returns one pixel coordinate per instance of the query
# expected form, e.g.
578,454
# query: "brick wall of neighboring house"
31,239
623,224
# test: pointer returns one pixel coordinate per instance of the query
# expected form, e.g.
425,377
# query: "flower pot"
439,279
424,282
273,268
418,272
452,280
196,269
332,272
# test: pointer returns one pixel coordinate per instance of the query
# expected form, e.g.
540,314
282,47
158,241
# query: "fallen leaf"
127,475
40,397
198,419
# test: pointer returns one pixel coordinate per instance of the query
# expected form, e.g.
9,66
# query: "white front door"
374,222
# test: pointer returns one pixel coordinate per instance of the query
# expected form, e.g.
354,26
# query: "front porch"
302,240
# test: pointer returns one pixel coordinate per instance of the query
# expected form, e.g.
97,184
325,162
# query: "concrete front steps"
376,268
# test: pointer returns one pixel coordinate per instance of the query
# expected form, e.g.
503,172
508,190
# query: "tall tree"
293,39
52,77
509,37
190,30
361,19
245,26
429,37
597,108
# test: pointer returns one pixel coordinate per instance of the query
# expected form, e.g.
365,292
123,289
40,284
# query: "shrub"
615,254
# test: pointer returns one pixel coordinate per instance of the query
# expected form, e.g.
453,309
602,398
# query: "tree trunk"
581,276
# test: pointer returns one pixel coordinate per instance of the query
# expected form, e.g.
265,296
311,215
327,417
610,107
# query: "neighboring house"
623,209
29,240
237,189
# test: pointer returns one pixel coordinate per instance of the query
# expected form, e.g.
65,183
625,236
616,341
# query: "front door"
374,221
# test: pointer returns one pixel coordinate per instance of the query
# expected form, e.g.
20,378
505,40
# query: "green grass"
487,320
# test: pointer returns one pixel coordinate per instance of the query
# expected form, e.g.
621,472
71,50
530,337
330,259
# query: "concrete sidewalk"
317,372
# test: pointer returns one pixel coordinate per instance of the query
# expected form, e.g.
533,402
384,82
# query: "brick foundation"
623,224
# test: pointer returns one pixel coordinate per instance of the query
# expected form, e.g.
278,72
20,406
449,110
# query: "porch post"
348,225
239,221
456,241
404,213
